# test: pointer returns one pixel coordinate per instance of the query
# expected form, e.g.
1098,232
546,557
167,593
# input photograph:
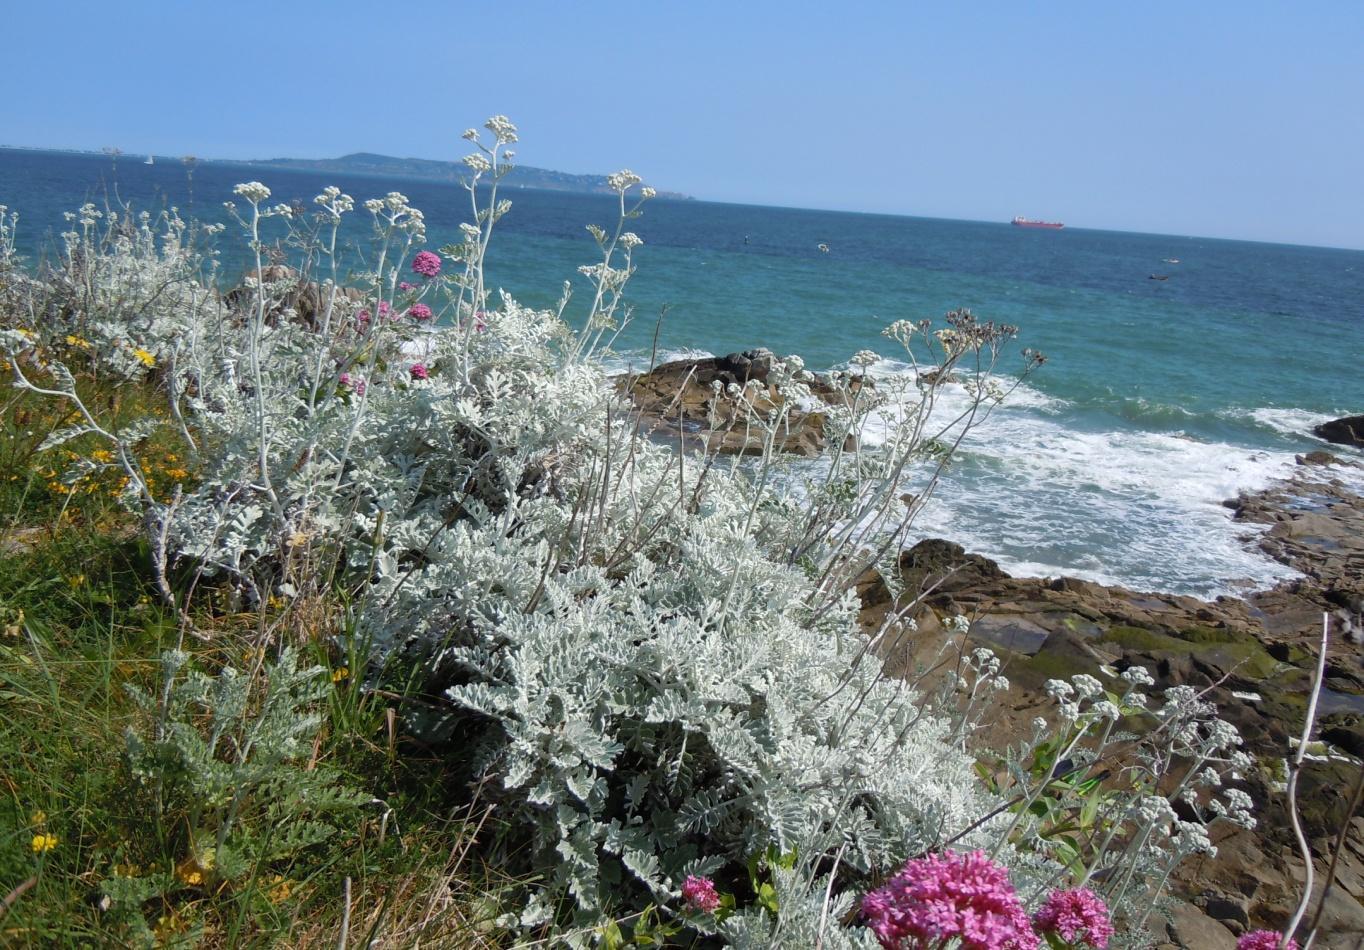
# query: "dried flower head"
252,191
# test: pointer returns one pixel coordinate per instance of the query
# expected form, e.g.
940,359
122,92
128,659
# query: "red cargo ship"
1027,223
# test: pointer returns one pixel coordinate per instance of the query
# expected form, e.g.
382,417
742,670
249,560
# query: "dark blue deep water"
1160,398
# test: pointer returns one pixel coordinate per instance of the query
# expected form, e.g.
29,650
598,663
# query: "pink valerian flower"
419,371
699,893
426,264
353,383
949,896
1264,940
404,286
1078,915
364,316
419,311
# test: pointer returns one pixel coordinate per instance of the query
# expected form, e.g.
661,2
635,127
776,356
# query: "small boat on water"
1158,277
1022,222
1169,260
151,160
824,248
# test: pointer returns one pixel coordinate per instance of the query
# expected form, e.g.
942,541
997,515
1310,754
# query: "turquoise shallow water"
1160,398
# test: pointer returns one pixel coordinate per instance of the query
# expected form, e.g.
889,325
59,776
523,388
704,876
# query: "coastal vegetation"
360,605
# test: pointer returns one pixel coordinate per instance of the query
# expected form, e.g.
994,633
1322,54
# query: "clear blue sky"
1235,119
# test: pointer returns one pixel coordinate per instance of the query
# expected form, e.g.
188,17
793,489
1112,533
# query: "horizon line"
679,196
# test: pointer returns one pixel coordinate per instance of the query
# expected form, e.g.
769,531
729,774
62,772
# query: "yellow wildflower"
280,889
178,474
189,874
102,455
43,842
39,817
73,340
145,358
76,580
340,674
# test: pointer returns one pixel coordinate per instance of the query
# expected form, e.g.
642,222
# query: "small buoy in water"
824,248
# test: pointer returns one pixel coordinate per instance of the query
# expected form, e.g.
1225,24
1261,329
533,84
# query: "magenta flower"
419,311
1078,915
419,371
362,318
344,380
1264,940
699,893
404,286
942,897
384,308
426,264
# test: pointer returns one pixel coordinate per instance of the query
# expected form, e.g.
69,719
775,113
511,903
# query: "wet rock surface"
1257,656
1348,430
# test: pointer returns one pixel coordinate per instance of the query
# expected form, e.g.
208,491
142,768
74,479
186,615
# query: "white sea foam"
637,361
1045,496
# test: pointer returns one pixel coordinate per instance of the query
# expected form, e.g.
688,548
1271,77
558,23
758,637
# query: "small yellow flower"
76,580
145,358
102,455
73,340
38,818
280,889
340,673
43,842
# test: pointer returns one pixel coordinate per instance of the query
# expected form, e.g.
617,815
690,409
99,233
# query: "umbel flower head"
419,311
1078,915
426,263
949,896
699,893
1264,940
419,371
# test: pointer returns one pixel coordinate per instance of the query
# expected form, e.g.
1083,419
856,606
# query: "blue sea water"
1159,400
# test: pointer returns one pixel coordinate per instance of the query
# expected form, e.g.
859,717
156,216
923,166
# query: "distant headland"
425,169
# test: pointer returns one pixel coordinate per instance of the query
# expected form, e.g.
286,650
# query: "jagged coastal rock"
678,401
1348,430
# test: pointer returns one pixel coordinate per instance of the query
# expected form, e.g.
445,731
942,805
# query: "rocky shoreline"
1256,654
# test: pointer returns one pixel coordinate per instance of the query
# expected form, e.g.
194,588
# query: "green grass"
80,622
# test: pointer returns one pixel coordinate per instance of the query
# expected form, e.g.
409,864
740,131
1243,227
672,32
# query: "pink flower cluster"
941,897
1264,940
419,311
355,385
426,264
419,371
363,317
699,893
1078,915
